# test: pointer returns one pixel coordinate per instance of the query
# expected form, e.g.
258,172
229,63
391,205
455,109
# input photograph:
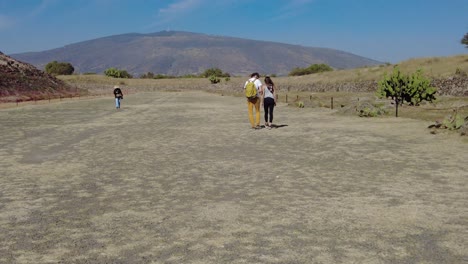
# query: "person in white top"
251,103
269,101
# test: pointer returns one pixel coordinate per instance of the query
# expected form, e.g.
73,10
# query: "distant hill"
23,82
180,53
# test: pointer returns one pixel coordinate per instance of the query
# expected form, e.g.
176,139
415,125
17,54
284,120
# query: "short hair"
255,74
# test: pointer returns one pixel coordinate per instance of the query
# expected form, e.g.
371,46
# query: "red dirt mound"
21,81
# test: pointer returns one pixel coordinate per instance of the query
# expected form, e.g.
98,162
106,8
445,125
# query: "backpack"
118,93
250,90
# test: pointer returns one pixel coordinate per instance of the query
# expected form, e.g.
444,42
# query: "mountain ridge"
181,53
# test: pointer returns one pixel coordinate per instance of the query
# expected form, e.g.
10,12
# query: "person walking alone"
118,96
269,100
255,102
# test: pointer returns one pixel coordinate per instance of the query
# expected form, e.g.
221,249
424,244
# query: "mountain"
180,53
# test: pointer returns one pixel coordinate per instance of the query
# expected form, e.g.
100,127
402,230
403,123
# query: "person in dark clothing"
269,100
118,96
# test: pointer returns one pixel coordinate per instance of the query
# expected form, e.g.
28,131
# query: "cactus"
454,121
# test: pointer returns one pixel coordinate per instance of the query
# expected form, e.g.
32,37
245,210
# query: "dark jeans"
268,105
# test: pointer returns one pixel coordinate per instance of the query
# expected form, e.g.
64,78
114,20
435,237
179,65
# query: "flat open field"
179,177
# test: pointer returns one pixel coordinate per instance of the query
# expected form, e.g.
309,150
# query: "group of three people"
266,96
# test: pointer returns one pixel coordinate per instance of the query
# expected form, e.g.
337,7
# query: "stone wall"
453,86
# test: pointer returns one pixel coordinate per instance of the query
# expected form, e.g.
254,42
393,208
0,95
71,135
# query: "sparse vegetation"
59,68
460,72
148,75
214,72
300,104
116,73
214,75
314,68
214,79
163,76
367,109
455,121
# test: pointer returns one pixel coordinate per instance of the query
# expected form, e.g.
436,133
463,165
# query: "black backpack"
118,92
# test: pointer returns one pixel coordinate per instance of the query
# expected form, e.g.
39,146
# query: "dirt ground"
181,178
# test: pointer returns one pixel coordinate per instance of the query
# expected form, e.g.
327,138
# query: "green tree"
401,88
464,40
116,73
214,71
314,68
126,75
59,68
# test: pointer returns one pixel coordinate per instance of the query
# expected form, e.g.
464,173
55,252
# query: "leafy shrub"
214,71
116,73
300,104
214,79
314,68
401,88
371,110
59,68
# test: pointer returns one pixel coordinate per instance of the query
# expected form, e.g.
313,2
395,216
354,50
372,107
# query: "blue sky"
385,30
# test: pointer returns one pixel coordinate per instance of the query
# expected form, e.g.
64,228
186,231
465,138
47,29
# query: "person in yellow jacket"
251,103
